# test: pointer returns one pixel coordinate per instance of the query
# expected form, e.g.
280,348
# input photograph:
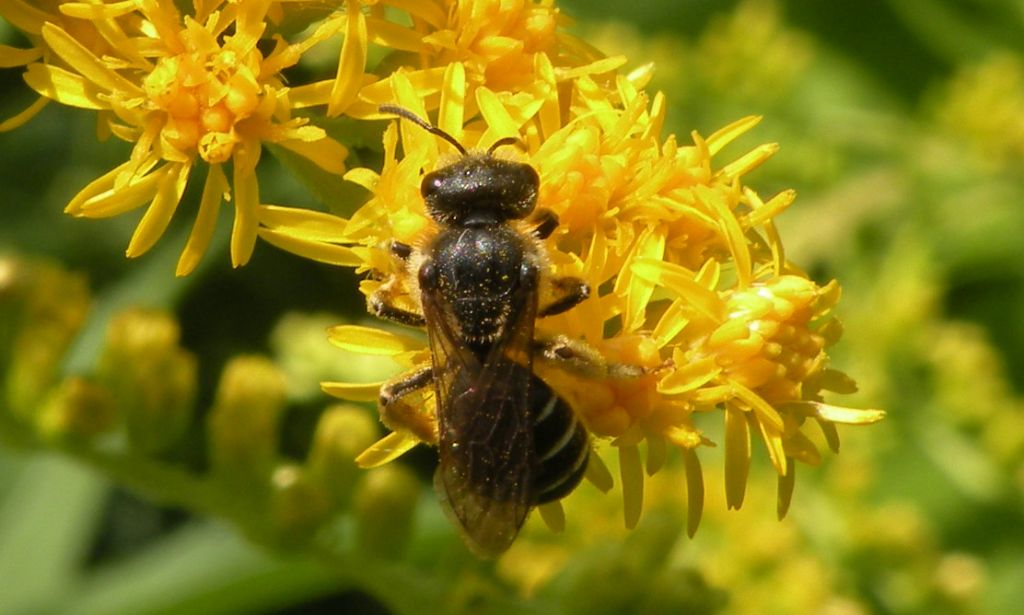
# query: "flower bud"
298,503
42,308
77,409
152,378
244,422
342,433
384,506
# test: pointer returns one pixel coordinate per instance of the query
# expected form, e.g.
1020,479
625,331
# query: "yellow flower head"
692,284
30,18
184,89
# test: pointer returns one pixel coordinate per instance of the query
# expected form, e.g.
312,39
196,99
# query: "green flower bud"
299,504
244,423
77,409
42,308
152,378
385,503
342,433
302,351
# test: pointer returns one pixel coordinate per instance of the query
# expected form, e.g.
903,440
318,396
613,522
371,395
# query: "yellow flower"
512,50
693,281
29,18
185,89
984,103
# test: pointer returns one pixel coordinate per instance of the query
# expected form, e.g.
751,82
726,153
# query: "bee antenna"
422,123
501,142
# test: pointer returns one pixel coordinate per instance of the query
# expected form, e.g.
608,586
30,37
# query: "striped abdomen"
561,445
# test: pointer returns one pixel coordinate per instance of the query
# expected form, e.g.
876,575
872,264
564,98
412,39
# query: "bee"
507,442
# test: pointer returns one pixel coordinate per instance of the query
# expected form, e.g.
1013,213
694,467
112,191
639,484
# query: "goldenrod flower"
29,18
504,48
185,89
692,275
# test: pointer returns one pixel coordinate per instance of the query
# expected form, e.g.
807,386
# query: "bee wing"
485,435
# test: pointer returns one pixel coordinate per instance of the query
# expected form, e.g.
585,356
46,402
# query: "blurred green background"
902,129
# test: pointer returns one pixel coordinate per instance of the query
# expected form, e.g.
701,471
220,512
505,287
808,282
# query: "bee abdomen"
561,446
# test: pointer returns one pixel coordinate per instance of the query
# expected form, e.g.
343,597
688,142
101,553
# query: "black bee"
507,441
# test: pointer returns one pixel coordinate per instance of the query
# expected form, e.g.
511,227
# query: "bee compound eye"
431,185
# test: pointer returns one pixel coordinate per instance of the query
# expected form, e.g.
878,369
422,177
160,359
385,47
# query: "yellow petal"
325,153
598,475
451,112
764,411
97,186
604,65
737,456
773,443
394,36
553,516
671,323
786,483
848,416
414,138
86,63
250,22
117,200
65,87
766,211
638,289
657,453
694,491
831,434
303,223
368,340
387,449
369,391
247,201
94,11
681,282
319,251
732,231
367,178
688,377
801,448
748,162
311,94
352,62
659,106
499,122
15,56
24,16
214,188
22,117
632,475
158,216
430,12
424,83
726,135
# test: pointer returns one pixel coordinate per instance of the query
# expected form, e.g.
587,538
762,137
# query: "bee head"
478,189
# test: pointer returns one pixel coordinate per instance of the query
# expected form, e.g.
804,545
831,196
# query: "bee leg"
401,250
379,304
546,221
578,357
406,384
571,291
398,413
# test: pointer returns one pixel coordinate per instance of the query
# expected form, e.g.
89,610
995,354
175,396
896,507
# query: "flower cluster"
691,281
